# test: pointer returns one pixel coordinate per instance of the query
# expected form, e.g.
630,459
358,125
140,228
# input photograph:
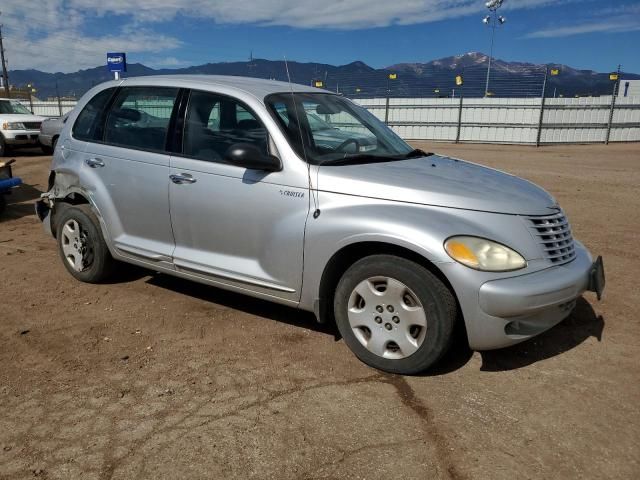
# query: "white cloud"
344,14
166,62
70,51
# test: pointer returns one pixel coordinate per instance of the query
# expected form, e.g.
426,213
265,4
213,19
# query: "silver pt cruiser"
300,196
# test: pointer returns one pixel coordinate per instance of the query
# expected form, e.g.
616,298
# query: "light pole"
492,20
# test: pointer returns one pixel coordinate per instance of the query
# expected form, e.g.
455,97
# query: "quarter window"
215,122
139,117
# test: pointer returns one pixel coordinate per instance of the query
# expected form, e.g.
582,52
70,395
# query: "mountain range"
434,78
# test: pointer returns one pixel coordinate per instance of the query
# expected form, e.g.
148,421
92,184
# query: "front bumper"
45,139
21,137
509,310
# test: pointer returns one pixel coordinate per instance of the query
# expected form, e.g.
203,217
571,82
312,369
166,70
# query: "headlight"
482,254
13,126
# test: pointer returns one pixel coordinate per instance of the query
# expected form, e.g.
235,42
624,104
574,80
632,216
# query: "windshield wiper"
418,153
361,158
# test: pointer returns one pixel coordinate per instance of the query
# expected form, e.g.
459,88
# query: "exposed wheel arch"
73,198
348,255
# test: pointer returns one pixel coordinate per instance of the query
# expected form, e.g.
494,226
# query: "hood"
439,181
19,117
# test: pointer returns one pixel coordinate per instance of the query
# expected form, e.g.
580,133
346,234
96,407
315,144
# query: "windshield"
333,128
13,108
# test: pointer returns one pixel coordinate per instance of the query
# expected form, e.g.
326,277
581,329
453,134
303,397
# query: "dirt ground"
155,377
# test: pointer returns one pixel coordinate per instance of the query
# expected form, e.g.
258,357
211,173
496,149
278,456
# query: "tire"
81,245
47,150
415,327
3,204
4,150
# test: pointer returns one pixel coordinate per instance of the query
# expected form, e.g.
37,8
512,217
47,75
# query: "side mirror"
249,156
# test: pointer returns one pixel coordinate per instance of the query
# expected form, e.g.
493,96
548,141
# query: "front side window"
334,129
139,117
214,123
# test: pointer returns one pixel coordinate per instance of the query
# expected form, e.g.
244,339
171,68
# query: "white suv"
18,126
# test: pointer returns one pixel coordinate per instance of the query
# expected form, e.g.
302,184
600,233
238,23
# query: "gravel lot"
155,377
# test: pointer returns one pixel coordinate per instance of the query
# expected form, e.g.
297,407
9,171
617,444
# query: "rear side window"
87,124
215,122
139,117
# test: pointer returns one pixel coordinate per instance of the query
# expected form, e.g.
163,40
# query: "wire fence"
429,81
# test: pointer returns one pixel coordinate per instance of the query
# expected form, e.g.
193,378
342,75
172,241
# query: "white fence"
490,120
511,120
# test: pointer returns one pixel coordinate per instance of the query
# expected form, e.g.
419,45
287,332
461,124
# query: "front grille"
32,125
554,234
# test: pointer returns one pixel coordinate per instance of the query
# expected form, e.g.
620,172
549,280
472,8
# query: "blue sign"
117,62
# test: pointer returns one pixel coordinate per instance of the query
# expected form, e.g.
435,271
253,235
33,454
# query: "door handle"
182,178
94,162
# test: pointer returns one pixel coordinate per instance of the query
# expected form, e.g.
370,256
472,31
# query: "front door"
236,227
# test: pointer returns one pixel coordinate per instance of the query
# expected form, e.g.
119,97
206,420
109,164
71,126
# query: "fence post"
613,105
59,106
459,119
30,102
386,111
544,88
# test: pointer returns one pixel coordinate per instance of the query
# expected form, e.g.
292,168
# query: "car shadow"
127,273
27,152
244,303
20,202
582,324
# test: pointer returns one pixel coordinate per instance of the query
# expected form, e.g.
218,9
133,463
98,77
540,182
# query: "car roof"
258,87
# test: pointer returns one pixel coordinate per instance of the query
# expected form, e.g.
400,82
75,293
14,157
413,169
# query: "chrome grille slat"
555,229
554,235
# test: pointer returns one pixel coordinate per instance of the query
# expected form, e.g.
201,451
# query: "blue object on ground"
6,184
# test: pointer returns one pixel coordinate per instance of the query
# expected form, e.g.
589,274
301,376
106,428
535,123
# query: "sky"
68,35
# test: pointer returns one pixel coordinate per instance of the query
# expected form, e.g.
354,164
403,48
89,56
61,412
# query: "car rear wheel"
81,245
394,314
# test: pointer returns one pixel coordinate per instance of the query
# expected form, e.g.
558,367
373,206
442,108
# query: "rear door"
236,227
127,169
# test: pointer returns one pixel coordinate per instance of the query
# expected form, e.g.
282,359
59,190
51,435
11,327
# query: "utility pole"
5,75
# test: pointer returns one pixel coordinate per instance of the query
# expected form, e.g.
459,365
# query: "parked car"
19,127
221,180
50,130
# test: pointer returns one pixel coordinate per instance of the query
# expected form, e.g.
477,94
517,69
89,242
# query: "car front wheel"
394,314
